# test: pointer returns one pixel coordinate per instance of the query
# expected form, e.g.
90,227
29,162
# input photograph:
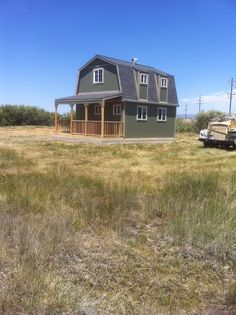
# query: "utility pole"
199,103
231,94
186,110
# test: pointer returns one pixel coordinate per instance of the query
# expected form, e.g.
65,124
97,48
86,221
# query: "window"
98,75
116,109
162,114
142,113
164,82
97,109
143,78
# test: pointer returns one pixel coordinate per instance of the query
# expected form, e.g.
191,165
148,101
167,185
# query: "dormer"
163,89
143,79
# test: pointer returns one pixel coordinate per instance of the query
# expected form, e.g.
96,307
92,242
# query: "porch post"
55,121
123,118
85,118
102,118
71,117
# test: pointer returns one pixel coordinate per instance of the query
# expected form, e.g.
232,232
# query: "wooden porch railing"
93,128
78,127
111,128
63,125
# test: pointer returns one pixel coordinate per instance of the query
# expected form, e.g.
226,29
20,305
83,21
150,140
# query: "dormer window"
143,78
98,75
164,82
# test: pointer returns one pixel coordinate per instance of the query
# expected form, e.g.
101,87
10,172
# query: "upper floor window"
164,82
98,75
143,78
162,114
142,113
116,109
97,109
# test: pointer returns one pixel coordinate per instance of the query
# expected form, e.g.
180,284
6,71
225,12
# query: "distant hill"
189,116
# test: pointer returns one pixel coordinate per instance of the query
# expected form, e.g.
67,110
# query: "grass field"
120,229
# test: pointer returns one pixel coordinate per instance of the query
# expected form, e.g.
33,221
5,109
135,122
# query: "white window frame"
142,80
163,117
143,119
97,109
117,109
164,82
94,75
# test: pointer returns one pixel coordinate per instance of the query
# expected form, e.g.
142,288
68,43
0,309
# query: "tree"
203,118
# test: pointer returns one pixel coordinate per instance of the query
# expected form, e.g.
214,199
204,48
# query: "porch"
101,116
90,128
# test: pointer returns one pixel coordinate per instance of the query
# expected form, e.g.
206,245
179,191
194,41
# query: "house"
121,99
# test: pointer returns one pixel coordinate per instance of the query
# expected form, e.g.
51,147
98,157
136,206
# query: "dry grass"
121,229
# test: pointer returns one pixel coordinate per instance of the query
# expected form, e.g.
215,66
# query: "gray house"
121,99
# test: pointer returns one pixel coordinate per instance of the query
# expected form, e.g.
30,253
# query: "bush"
203,118
13,115
184,125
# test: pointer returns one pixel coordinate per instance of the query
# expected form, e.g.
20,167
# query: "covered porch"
92,114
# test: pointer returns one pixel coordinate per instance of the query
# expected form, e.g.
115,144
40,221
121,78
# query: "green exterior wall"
143,91
111,82
163,94
151,127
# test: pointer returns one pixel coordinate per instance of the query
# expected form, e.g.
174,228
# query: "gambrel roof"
127,80
126,73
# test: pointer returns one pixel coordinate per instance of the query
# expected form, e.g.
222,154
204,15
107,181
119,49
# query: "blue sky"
44,42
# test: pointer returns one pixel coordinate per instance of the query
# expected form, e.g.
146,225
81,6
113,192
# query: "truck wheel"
206,144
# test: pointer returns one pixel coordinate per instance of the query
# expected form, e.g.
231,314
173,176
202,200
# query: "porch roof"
87,97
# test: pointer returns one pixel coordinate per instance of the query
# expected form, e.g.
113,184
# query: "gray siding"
152,90
110,78
127,82
151,127
172,94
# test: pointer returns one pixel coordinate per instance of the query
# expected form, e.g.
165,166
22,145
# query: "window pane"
164,114
139,112
100,75
144,113
159,113
96,76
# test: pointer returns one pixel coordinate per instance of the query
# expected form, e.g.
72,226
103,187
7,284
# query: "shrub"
184,125
203,118
13,115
